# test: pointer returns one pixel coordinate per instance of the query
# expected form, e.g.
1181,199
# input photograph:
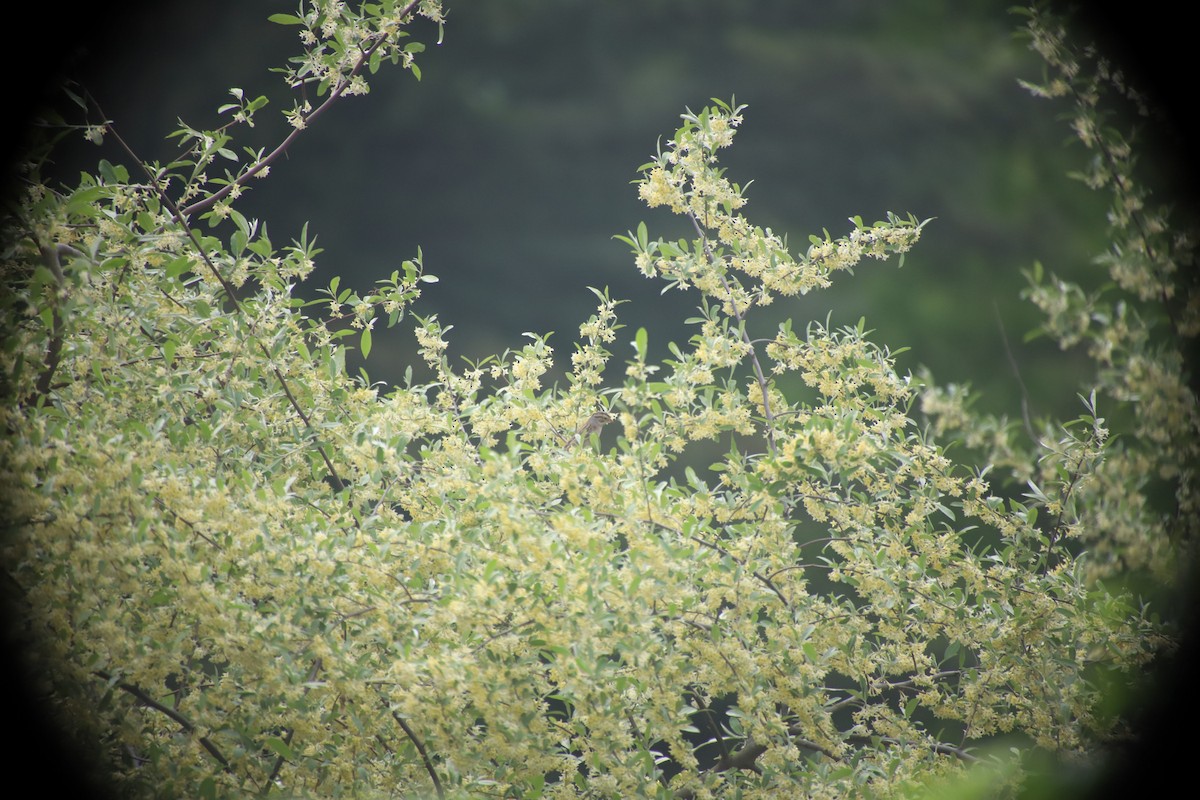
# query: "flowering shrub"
245,570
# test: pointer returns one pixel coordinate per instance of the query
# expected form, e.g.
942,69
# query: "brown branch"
946,749
758,372
746,756
50,257
763,579
417,743
183,722
158,501
229,290
182,215
907,683
287,737
281,148
742,758
338,483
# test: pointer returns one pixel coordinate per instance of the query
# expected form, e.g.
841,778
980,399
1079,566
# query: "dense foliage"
242,569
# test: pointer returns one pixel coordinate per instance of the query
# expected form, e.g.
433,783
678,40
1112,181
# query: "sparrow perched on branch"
593,424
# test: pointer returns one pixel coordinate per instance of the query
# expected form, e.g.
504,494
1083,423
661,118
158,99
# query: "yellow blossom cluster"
591,356
686,179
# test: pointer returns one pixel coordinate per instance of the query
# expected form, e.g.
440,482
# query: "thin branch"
746,756
229,290
1121,189
166,200
338,483
758,372
938,747
637,451
158,501
502,632
417,743
908,683
287,737
951,750
50,257
183,722
281,148
1016,370
764,580
716,725
742,758
809,744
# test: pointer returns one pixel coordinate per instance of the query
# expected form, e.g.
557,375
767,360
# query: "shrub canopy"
242,569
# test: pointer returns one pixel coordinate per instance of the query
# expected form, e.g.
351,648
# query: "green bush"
243,570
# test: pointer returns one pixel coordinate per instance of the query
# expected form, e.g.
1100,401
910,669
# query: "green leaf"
178,266
237,242
280,747
365,342
113,173
285,19
83,200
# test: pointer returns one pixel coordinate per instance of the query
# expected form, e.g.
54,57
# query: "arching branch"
266,161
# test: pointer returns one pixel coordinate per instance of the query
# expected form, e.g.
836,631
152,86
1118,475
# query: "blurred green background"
510,163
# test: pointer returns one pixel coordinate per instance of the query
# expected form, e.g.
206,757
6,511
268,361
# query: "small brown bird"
594,424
